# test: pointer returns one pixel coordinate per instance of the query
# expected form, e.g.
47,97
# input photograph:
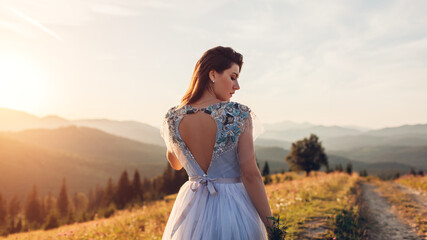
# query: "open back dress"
212,205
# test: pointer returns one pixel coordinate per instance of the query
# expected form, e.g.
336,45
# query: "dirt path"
382,222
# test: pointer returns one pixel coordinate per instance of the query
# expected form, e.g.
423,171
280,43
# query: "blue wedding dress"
213,205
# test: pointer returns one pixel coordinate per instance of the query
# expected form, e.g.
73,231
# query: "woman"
211,137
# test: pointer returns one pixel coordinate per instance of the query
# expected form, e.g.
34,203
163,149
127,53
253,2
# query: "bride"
212,138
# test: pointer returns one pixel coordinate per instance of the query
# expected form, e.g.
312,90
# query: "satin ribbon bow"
207,181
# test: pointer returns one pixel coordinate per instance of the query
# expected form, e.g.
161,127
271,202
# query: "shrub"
277,231
347,225
52,222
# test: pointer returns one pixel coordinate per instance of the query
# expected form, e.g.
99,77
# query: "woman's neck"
206,99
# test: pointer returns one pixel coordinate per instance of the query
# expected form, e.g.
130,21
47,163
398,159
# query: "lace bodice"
232,118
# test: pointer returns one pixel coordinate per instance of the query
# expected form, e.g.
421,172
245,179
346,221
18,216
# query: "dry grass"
302,202
310,202
415,182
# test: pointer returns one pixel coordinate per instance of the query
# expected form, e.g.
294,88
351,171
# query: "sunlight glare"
22,84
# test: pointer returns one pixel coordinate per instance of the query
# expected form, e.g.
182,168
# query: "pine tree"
266,169
136,187
70,217
63,200
14,207
156,188
99,196
363,173
42,210
328,170
167,179
349,168
338,167
49,203
3,210
18,227
81,202
396,175
91,200
109,193
179,178
124,190
32,207
146,185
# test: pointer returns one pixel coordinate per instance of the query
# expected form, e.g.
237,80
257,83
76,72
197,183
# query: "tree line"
47,212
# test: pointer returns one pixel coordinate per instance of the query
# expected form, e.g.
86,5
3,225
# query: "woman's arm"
173,160
251,177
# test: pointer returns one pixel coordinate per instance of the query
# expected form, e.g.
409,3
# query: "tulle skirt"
229,214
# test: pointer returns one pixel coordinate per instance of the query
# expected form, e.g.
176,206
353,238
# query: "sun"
22,84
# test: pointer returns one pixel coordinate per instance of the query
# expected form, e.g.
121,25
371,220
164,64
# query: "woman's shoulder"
241,106
171,111
229,106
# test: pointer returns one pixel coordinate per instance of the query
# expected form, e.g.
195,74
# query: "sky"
346,63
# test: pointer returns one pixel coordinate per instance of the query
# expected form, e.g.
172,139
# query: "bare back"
198,131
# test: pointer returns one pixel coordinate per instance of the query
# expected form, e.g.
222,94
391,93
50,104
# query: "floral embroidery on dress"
231,116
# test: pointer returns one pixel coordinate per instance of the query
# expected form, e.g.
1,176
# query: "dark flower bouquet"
277,231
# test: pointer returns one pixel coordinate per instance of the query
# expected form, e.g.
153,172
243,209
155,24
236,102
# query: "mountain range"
87,152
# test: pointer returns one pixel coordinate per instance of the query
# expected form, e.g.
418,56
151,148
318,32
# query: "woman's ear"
212,74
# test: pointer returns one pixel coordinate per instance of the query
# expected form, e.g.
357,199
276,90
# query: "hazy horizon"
158,126
328,63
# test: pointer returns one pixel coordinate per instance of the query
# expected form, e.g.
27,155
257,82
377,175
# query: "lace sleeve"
165,131
252,121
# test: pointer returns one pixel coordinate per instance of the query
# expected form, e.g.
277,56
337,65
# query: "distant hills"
12,120
276,161
88,151
93,143
299,133
406,145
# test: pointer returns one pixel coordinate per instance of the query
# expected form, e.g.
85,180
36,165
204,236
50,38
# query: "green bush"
288,178
347,225
110,210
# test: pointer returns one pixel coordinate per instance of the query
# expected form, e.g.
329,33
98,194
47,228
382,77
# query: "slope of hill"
408,155
130,129
22,165
12,120
297,134
93,143
400,130
286,125
351,142
344,138
264,142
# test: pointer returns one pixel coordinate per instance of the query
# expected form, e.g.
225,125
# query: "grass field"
316,205
416,182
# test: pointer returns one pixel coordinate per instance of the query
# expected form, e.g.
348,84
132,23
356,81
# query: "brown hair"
218,59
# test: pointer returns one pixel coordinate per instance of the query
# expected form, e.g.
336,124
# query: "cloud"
110,9
34,22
